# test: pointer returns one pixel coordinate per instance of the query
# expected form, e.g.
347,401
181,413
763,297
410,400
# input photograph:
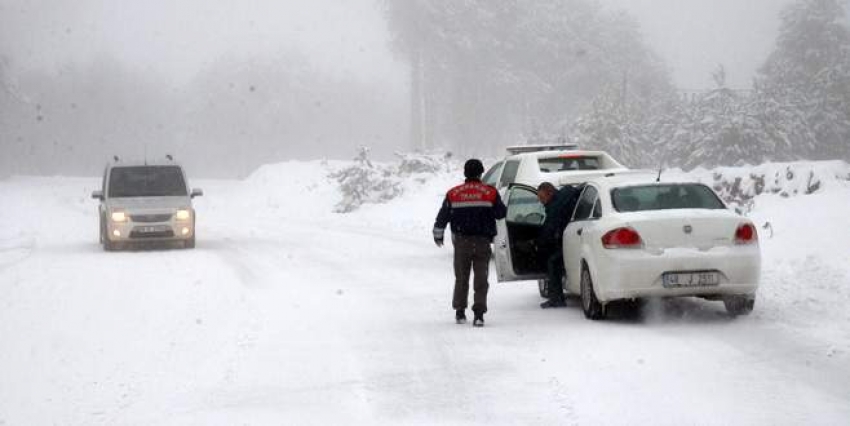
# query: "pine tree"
806,80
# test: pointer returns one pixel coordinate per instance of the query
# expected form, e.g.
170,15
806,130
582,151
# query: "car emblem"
688,229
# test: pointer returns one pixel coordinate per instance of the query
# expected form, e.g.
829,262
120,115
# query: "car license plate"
691,279
151,229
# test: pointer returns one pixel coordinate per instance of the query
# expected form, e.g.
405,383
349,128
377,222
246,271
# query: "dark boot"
478,321
554,303
460,316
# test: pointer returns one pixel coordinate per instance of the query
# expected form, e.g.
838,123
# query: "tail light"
622,238
746,234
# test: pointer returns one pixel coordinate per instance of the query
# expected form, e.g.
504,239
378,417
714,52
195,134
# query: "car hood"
149,203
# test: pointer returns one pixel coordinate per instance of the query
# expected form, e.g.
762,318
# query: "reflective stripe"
465,204
438,232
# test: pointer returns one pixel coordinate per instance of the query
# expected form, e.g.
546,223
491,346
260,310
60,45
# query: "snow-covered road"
289,314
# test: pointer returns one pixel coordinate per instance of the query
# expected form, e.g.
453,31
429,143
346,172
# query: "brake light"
622,238
746,234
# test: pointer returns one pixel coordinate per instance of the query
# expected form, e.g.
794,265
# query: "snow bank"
740,185
299,188
306,191
805,285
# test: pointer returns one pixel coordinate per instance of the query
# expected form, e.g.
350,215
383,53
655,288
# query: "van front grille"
150,218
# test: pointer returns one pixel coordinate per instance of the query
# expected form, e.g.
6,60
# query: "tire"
543,287
593,310
190,243
109,245
104,239
739,305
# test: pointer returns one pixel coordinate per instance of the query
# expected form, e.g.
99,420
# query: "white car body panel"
505,270
632,273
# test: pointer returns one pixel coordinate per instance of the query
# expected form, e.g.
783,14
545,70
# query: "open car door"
515,261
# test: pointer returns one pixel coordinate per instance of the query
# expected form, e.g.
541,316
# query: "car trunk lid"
685,228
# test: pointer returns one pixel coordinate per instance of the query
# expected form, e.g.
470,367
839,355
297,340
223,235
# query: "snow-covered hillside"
289,313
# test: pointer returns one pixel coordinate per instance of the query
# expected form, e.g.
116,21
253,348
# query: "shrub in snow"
416,163
739,186
364,182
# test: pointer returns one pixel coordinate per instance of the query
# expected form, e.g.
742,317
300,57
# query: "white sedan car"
632,237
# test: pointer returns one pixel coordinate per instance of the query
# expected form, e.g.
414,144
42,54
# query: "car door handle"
579,231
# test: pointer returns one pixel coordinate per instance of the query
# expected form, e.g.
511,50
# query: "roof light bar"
524,149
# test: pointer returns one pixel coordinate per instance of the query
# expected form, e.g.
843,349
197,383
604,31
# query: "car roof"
558,153
635,178
521,149
137,163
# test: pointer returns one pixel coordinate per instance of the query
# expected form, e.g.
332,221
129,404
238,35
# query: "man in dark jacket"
559,206
472,209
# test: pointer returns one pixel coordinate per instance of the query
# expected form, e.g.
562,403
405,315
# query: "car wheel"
104,239
589,303
109,245
190,243
739,305
543,287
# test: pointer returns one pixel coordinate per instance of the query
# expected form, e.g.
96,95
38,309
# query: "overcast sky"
177,38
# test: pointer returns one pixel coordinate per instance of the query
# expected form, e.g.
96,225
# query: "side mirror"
97,195
197,193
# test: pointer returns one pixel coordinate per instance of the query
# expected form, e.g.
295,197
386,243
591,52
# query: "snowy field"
287,313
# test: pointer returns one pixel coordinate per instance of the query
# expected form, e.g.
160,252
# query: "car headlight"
183,214
119,217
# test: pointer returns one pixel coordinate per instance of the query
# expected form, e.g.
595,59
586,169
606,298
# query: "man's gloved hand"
439,233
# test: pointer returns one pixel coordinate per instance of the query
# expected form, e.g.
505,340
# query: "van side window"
492,175
509,173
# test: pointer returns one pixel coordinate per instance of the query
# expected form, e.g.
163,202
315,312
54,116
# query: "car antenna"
115,157
660,170
169,157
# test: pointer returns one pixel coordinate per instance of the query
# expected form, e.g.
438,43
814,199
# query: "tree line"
489,73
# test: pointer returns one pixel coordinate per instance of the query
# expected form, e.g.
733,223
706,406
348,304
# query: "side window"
584,207
490,178
597,209
524,207
509,173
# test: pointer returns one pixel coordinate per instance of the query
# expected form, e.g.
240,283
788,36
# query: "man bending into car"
549,243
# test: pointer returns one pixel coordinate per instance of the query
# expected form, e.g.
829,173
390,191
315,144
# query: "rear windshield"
147,181
568,162
664,197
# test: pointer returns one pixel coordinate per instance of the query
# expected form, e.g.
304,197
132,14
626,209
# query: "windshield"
665,197
147,181
567,163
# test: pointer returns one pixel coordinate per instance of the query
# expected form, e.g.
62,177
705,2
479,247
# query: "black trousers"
472,254
555,274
